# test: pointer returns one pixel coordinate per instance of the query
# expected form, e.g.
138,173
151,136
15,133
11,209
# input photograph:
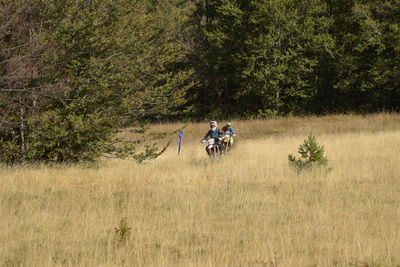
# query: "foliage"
260,55
295,57
78,72
311,154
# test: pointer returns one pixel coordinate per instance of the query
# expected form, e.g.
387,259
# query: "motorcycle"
225,141
212,148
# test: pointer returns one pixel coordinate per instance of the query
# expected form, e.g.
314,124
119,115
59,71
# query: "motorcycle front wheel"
210,152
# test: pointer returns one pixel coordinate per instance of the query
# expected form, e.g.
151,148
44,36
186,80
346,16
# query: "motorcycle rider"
214,133
228,127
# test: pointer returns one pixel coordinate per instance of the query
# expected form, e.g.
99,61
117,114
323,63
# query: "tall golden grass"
247,209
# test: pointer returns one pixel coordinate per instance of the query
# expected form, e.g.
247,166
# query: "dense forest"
76,72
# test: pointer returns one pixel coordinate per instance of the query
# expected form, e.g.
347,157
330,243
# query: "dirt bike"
225,141
212,148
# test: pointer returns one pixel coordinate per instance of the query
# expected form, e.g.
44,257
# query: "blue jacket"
229,129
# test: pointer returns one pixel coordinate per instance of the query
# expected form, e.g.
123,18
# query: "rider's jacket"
213,134
224,129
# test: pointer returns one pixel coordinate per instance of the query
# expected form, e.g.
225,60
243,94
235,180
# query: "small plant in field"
311,154
122,232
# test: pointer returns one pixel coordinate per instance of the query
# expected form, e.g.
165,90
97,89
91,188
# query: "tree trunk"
22,128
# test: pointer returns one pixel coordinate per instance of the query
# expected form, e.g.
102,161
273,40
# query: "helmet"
213,124
228,124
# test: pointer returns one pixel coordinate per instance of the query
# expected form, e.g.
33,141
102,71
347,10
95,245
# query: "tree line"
279,57
73,73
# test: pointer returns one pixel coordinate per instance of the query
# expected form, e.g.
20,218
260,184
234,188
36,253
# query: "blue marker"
179,142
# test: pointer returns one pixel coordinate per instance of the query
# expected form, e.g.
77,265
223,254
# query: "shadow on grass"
204,162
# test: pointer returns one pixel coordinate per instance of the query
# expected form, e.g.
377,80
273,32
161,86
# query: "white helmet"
213,124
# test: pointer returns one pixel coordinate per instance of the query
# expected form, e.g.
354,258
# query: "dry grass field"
247,209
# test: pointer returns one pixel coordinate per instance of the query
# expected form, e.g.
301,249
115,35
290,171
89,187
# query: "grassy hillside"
249,209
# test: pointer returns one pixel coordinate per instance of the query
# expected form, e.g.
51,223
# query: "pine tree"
311,154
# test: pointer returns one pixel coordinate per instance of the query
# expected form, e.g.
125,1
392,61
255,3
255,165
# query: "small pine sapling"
311,154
